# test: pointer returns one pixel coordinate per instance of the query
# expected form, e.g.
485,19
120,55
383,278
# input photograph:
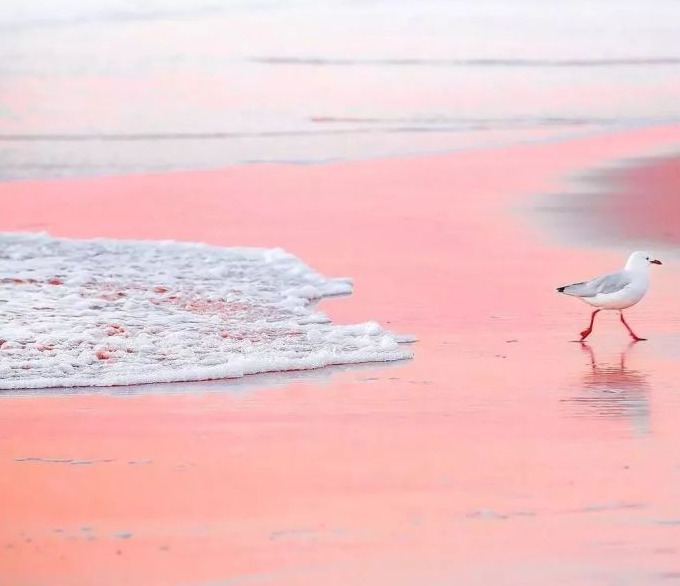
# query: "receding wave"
477,62
150,136
513,121
362,125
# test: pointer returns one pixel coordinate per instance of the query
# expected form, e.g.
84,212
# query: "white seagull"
615,291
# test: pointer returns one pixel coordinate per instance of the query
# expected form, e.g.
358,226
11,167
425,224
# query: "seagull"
615,291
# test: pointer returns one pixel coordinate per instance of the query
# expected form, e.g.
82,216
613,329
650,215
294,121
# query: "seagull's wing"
606,284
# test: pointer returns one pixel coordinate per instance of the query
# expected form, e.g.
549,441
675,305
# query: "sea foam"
116,312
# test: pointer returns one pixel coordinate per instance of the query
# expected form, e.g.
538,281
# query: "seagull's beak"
655,262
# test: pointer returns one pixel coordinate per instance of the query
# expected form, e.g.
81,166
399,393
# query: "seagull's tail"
575,289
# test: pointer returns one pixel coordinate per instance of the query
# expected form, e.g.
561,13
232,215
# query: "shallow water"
502,453
110,87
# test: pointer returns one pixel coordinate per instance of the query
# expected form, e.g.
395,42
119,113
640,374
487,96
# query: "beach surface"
501,454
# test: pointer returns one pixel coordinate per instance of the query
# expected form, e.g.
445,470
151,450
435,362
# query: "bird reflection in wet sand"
612,390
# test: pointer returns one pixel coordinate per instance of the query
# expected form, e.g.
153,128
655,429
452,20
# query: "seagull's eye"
647,258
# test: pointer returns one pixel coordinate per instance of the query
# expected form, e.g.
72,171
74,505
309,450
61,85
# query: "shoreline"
439,469
211,206
535,136
627,202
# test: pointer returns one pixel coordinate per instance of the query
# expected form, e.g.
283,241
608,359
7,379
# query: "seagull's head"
640,260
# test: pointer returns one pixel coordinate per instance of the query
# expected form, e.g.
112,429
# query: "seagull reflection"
612,390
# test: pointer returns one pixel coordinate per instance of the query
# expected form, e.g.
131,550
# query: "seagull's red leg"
631,332
587,332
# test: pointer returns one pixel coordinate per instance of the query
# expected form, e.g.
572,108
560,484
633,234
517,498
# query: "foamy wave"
112,312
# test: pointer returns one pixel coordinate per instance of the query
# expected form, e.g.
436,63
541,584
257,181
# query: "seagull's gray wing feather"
611,283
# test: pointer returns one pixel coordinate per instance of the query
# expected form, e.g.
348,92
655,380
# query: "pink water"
502,453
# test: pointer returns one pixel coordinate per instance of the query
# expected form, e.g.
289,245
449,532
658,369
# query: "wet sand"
646,206
500,454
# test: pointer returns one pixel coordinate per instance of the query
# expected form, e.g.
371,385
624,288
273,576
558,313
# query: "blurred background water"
120,86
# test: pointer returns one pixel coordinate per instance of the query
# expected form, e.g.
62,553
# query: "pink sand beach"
458,161
501,454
